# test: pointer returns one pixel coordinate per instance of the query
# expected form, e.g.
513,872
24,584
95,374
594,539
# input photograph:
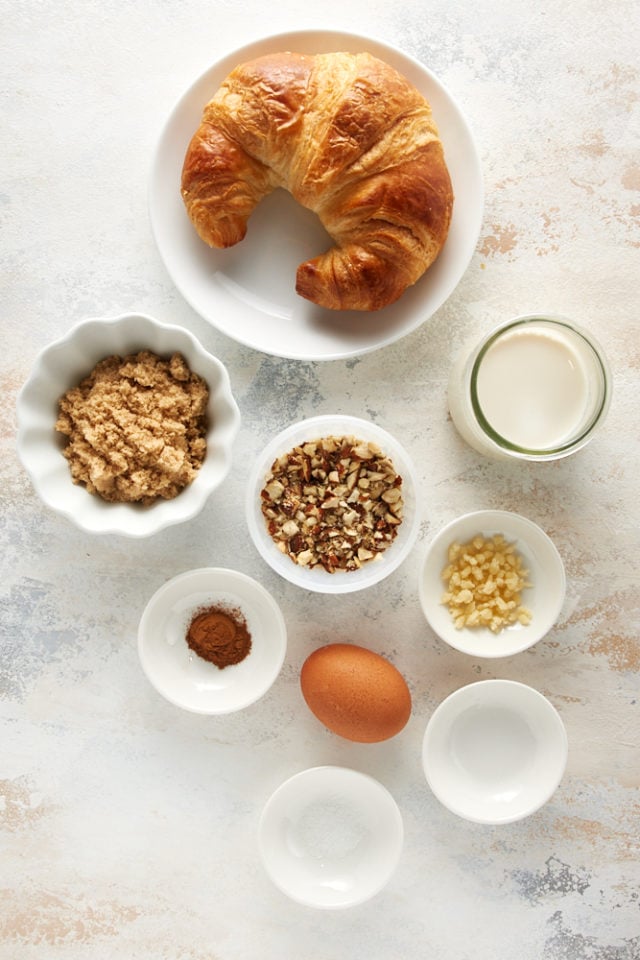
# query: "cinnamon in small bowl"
212,640
219,635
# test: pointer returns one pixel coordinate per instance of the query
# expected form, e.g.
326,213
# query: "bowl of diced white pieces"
492,584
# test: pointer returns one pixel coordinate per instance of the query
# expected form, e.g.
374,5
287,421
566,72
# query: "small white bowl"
61,366
330,837
544,598
494,751
180,675
317,579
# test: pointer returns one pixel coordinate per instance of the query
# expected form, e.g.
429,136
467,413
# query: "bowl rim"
319,581
533,696
466,640
226,575
123,519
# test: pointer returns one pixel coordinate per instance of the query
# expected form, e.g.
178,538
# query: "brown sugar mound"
136,427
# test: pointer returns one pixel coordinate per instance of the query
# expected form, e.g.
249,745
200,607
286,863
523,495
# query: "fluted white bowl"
62,365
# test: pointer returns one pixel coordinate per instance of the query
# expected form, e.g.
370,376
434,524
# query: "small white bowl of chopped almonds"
331,504
492,584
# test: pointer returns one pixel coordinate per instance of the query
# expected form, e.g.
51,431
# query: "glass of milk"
535,388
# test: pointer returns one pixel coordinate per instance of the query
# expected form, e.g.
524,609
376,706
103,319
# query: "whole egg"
355,692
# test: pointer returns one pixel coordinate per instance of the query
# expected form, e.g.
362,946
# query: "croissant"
352,140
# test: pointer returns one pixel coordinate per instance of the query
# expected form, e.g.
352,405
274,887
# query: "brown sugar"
136,427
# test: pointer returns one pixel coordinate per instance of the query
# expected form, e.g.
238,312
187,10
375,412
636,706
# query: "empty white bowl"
544,598
318,579
62,365
180,675
330,837
494,751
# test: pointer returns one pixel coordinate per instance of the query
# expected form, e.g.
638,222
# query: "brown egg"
355,692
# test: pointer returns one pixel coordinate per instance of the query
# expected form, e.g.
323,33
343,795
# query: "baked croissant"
352,140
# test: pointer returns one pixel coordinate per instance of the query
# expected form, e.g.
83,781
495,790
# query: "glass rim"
563,448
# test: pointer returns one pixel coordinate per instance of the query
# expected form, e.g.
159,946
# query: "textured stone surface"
127,827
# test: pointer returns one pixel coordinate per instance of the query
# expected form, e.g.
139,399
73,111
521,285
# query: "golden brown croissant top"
352,140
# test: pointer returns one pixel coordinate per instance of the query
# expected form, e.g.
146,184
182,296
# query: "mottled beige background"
127,828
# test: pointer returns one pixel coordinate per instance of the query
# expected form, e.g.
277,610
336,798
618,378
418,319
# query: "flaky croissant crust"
352,140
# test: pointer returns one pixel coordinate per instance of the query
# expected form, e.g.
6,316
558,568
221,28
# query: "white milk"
533,388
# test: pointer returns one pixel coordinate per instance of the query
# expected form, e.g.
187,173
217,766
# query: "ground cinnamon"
219,635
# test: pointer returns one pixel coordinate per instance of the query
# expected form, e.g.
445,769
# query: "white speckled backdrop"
128,827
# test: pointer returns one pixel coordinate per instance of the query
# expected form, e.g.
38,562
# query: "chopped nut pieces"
484,578
335,502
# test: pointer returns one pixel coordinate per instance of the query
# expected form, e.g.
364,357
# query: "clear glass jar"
535,388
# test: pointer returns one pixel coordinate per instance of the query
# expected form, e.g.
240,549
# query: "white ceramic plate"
248,291
317,579
544,598
494,751
184,678
330,837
